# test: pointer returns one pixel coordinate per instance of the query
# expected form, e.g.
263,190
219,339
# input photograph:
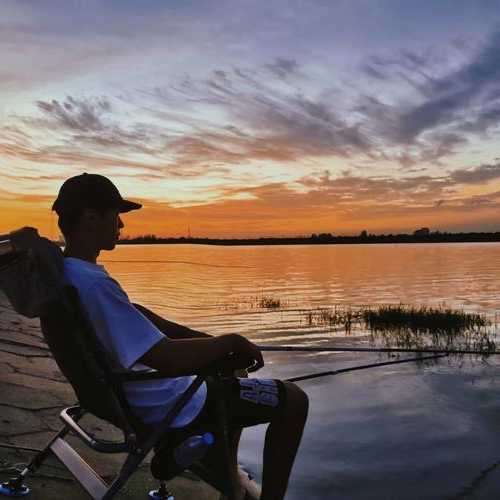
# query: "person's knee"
297,400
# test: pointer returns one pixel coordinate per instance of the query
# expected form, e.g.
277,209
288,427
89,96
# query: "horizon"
236,120
368,235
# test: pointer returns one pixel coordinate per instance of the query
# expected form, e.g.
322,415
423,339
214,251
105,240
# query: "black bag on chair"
31,272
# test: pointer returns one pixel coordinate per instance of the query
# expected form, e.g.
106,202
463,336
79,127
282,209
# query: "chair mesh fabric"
32,277
85,364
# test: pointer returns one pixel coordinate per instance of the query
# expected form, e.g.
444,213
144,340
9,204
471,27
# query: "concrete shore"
32,394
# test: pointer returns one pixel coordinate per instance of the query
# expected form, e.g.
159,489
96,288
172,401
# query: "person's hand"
241,373
242,346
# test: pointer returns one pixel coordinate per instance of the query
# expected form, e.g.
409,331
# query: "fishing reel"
235,361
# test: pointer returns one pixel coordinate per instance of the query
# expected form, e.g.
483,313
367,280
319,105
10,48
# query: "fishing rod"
436,353
360,367
290,348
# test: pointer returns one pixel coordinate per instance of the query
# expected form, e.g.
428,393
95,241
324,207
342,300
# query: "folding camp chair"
97,382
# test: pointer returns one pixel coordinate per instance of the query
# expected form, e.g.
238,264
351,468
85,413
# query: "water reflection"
402,432
199,284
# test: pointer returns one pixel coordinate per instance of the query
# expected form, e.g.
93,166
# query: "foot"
249,489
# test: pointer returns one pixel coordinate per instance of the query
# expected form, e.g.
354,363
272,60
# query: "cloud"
477,175
414,69
321,202
201,127
456,102
89,123
283,68
272,122
81,131
345,205
256,120
483,121
76,115
350,189
419,189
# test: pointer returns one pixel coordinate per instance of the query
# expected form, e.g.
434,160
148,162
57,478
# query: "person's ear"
89,215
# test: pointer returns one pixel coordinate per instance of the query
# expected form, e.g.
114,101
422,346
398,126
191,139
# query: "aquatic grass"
391,325
255,302
442,328
343,316
269,303
422,319
410,327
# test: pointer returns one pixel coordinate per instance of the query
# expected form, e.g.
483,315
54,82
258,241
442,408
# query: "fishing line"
172,262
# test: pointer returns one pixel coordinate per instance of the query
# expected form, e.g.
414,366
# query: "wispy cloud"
263,119
77,115
477,175
260,122
267,113
463,101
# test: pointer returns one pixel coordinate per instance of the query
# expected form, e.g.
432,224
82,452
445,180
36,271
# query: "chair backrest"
84,363
34,266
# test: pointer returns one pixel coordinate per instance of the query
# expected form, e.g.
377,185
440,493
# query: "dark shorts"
248,402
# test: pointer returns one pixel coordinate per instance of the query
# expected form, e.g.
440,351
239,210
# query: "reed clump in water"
342,316
421,319
441,328
411,327
269,302
256,302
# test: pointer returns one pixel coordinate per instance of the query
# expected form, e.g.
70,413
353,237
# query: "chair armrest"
70,417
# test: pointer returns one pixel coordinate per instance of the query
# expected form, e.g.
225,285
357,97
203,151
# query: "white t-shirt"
127,335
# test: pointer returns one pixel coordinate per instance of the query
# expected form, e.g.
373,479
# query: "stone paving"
32,393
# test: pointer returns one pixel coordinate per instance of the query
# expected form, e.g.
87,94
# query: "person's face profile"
111,225
105,227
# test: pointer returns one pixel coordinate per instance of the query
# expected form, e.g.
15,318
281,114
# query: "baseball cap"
91,191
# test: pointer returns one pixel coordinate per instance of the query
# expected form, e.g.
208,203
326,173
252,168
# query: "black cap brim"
128,206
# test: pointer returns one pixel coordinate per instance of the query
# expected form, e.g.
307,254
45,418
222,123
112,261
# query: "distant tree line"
423,235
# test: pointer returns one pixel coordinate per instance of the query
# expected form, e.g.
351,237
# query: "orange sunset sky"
242,119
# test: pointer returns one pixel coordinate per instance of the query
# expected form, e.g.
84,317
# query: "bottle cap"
208,438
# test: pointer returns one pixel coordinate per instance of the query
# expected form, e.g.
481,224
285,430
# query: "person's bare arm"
169,328
174,358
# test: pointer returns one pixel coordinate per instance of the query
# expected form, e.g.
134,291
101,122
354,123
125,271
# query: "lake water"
401,432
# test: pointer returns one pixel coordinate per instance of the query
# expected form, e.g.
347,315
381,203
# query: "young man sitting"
89,208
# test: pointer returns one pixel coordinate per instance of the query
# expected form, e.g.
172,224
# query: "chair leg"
129,467
15,485
161,493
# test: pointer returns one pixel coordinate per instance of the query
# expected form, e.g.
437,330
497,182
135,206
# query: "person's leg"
238,480
251,402
282,442
247,489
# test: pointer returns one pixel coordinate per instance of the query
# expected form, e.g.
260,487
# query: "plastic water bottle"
192,449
